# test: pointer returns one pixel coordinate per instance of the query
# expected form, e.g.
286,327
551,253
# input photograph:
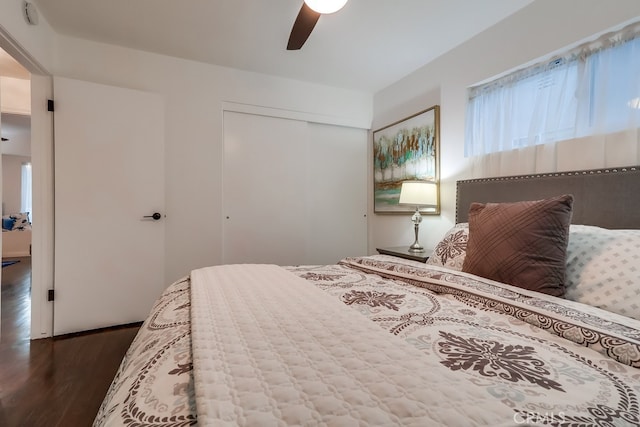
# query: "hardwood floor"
54,381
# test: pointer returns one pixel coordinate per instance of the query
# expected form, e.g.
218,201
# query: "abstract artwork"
407,150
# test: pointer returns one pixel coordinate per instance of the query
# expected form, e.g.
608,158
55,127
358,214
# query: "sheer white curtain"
25,199
531,107
592,89
609,89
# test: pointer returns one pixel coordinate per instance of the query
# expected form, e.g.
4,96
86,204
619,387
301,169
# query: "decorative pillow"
603,269
523,244
451,250
21,221
7,223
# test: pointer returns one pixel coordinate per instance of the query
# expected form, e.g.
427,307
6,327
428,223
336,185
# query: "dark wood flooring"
54,381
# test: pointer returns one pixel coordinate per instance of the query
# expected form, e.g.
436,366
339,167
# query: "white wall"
18,36
17,129
537,30
194,95
16,95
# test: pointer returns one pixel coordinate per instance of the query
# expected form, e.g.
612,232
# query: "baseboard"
15,254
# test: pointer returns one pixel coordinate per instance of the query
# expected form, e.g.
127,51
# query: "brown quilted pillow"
523,244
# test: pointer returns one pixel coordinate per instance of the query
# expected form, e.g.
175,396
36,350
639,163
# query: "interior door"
109,178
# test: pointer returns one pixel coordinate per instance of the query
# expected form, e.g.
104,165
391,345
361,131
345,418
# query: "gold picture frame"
407,150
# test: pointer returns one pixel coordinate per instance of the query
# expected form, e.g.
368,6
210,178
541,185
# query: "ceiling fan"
308,17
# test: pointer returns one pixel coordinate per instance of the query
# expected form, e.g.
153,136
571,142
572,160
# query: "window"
590,90
25,199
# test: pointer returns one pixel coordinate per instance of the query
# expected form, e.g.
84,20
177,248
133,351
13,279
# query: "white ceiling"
366,46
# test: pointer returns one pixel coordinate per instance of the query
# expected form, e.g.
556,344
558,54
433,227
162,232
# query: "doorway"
46,251
15,149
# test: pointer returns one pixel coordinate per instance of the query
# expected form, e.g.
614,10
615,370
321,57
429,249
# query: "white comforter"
268,349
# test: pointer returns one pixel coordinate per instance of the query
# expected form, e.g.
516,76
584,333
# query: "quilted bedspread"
373,341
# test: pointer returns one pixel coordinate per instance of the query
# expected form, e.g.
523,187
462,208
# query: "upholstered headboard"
607,198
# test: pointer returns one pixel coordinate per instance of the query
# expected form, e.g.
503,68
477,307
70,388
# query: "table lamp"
418,193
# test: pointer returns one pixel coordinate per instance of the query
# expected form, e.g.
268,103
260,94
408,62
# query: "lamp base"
416,248
417,219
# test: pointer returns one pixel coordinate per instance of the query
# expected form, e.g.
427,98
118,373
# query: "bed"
16,235
380,340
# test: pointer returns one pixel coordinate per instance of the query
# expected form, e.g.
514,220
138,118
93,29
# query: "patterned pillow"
451,250
523,244
21,221
603,269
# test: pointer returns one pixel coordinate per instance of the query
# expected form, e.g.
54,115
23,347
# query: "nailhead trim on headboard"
628,191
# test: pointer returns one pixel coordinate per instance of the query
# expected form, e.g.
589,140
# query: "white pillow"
603,269
451,250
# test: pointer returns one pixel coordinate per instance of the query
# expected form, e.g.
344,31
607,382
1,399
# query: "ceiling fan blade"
303,26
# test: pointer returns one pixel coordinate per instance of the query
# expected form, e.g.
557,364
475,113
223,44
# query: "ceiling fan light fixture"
326,6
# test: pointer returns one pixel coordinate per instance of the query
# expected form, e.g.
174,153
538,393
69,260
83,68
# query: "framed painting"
407,150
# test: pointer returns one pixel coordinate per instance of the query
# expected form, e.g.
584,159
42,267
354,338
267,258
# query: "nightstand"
403,252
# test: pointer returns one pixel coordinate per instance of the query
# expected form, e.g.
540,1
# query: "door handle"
156,216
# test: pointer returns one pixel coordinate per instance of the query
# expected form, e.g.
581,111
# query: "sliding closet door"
337,190
294,192
265,213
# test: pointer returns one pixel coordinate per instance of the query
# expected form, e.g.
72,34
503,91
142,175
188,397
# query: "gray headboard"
607,198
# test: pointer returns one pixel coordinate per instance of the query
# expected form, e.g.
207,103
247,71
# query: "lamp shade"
326,6
418,193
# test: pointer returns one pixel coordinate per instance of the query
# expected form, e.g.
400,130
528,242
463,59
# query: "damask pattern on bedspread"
540,375
154,385
537,373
